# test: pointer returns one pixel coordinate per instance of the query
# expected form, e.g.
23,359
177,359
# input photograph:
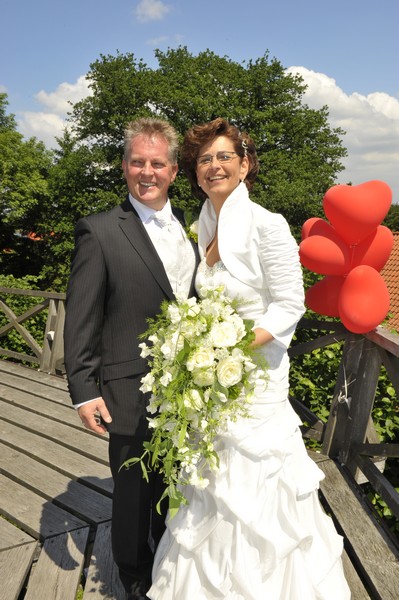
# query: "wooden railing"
48,355
348,436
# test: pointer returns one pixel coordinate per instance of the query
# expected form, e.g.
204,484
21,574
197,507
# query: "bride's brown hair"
202,134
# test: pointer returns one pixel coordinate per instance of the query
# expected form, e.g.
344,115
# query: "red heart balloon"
355,211
315,226
363,300
374,250
323,296
325,255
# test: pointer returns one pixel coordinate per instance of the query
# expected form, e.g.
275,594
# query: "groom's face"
148,170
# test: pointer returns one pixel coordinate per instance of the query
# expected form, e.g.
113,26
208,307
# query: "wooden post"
336,428
53,346
361,404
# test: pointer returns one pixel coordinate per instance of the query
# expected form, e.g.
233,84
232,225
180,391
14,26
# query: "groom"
126,262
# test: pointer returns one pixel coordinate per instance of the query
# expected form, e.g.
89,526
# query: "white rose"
223,335
201,358
193,399
194,227
203,378
229,371
238,325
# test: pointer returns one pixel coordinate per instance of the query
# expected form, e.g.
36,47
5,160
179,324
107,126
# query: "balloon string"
352,249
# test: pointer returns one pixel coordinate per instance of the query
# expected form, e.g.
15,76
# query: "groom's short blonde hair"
152,128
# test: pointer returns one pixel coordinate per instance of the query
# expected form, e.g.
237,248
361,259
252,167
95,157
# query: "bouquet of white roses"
203,372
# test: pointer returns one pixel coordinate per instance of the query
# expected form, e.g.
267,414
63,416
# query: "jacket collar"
133,228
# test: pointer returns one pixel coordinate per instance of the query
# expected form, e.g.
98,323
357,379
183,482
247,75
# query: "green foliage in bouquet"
203,373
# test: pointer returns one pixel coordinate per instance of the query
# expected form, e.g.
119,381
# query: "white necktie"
163,219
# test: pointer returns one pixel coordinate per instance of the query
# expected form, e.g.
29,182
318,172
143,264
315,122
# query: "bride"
257,531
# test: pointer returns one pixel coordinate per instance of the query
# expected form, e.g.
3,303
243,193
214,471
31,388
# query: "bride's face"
220,169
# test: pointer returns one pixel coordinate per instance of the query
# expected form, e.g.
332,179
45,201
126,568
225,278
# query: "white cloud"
46,125
151,10
372,128
162,39
59,101
371,124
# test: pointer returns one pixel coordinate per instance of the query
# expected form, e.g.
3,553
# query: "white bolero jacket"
257,248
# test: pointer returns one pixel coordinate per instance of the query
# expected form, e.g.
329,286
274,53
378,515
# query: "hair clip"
245,147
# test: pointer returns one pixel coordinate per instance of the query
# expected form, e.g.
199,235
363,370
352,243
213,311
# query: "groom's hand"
91,414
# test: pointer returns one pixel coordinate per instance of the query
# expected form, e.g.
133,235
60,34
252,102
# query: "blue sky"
346,50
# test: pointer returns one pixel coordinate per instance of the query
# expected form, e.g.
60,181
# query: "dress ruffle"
258,530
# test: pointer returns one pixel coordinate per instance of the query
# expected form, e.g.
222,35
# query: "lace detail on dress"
209,271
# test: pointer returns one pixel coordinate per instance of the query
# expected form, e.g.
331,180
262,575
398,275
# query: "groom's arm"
84,315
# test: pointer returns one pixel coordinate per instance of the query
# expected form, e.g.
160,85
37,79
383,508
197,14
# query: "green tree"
299,152
392,218
24,169
79,184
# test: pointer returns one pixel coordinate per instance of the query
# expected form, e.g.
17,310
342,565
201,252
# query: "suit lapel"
133,228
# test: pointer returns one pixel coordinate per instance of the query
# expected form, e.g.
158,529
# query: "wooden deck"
55,504
55,495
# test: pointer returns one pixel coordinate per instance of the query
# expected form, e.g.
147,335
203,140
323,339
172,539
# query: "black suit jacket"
117,282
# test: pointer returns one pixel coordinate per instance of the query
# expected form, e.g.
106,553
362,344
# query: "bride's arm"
279,258
261,337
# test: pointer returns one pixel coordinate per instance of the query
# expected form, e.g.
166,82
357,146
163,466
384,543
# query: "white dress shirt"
171,243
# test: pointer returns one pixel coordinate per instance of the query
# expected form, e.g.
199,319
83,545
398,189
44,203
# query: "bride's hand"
261,337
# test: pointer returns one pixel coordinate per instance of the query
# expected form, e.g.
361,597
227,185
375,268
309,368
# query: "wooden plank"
58,570
15,323
92,446
72,496
42,406
14,567
34,514
103,578
11,536
38,293
358,591
378,563
35,388
6,366
68,462
385,339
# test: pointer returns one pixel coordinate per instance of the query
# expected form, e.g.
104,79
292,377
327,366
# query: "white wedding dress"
257,531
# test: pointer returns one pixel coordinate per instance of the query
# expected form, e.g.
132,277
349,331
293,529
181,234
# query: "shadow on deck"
55,503
55,495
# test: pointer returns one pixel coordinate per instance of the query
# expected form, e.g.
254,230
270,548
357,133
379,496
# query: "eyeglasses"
222,157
